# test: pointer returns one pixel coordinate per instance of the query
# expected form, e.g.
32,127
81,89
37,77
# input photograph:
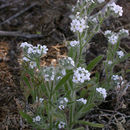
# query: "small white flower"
94,20
116,9
37,119
61,107
113,39
33,64
80,75
109,62
102,91
30,50
74,43
100,1
78,25
84,101
70,60
65,99
41,100
61,125
25,44
124,31
26,59
120,54
108,32
116,77
59,77
63,72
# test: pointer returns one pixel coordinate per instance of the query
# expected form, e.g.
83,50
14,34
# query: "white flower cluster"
39,49
62,103
124,32
74,43
25,44
62,74
37,119
116,77
102,91
116,9
100,1
120,54
48,73
32,51
84,101
61,125
67,62
112,37
80,75
78,25
118,80
108,32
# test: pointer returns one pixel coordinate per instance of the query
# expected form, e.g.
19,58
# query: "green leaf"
90,124
63,80
88,107
80,128
26,80
94,62
26,116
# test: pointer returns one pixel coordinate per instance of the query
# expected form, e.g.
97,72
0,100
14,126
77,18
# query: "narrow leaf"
26,116
91,124
63,80
94,62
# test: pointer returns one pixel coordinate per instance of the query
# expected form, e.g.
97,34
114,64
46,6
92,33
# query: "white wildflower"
63,72
113,39
116,9
102,91
117,77
65,99
59,77
78,25
74,43
39,99
70,60
26,59
100,1
30,50
61,107
25,44
120,54
84,101
80,75
37,119
61,125
94,20
124,32
33,64
109,62
108,32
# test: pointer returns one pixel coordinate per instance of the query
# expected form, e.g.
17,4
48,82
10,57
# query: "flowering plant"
64,93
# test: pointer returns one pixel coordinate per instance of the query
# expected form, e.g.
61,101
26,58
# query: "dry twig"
18,14
18,34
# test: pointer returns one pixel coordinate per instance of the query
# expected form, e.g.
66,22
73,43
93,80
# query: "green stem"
72,109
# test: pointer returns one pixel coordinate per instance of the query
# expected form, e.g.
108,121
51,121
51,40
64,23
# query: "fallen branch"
18,34
8,4
18,14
